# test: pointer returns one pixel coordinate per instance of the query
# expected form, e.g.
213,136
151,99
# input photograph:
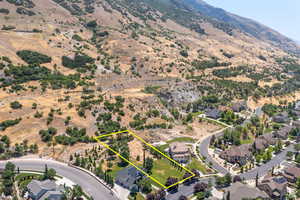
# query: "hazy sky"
281,15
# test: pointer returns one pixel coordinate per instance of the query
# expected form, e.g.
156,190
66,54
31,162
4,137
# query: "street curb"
114,193
97,178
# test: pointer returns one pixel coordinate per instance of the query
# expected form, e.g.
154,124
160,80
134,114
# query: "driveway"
185,190
265,168
88,183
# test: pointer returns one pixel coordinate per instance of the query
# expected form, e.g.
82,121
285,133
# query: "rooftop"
36,186
295,171
239,191
128,176
178,147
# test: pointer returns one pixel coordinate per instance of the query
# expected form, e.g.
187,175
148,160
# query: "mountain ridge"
248,25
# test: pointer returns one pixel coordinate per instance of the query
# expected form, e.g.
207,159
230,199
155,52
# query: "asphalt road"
261,170
88,183
203,149
265,168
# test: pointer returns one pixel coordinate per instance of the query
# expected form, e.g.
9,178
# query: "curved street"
203,150
88,183
261,170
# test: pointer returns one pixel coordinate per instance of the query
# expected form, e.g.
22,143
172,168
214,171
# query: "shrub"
32,73
7,28
91,24
5,124
151,89
77,38
15,105
4,11
78,61
32,57
24,11
48,134
184,53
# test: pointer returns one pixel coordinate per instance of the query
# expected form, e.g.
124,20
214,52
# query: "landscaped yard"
181,139
139,196
24,179
115,169
196,164
248,141
162,170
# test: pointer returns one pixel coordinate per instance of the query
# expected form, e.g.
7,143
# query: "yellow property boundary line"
146,174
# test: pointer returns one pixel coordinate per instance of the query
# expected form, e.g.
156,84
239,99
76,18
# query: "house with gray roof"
213,113
281,118
128,178
296,124
240,191
42,190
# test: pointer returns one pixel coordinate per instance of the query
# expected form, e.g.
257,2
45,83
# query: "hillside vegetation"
70,70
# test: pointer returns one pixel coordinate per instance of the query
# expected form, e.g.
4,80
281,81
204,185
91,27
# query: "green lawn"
139,196
195,114
24,179
162,170
181,139
248,141
115,170
196,164
163,147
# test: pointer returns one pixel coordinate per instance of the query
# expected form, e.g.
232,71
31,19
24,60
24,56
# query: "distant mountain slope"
249,26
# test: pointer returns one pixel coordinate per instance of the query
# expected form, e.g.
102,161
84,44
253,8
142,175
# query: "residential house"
296,110
237,154
263,141
283,132
297,106
180,152
291,174
296,124
239,106
260,144
295,113
281,118
275,187
224,108
213,113
42,190
240,191
128,178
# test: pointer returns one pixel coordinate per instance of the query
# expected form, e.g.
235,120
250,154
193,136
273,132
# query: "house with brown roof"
240,191
283,132
180,152
291,173
263,141
237,154
275,187
239,106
